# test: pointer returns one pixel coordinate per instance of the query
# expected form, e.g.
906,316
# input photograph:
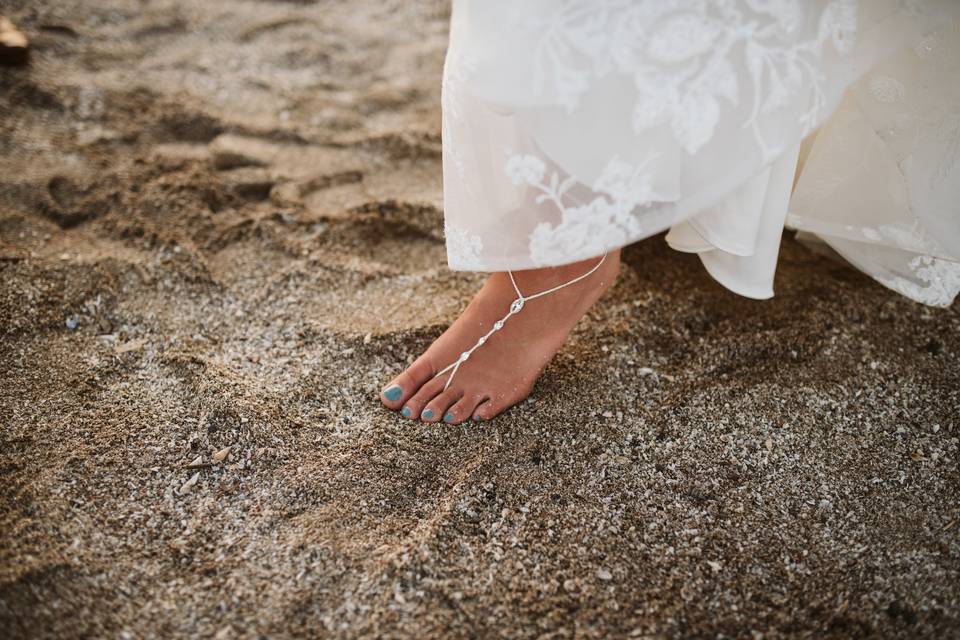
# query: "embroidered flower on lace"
681,54
935,281
930,44
463,248
886,89
941,280
839,22
525,169
585,230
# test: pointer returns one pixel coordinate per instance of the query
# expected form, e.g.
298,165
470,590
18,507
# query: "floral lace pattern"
463,248
682,54
936,281
573,127
585,229
456,71
925,278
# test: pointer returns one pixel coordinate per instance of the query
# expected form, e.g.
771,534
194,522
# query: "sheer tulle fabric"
573,128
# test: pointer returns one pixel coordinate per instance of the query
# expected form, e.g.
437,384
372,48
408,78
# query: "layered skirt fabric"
574,127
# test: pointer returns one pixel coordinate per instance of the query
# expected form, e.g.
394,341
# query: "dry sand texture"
220,226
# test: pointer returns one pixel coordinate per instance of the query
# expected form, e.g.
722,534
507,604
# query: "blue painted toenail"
406,412
427,414
448,417
477,418
393,393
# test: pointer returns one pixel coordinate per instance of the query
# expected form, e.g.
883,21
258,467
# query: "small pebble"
188,485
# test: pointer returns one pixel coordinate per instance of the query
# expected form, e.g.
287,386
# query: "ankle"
531,281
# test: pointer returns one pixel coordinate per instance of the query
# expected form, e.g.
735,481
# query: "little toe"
406,384
439,407
490,408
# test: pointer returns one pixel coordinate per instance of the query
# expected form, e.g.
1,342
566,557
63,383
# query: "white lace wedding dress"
573,127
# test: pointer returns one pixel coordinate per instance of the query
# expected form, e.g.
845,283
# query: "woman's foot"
500,373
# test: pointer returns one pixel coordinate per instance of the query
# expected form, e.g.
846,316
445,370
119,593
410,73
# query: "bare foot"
502,372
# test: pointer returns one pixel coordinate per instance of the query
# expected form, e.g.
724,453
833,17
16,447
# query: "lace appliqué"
887,89
940,278
931,280
589,229
682,56
457,70
463,248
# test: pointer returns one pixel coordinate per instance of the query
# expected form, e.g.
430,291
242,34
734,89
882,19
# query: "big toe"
401,388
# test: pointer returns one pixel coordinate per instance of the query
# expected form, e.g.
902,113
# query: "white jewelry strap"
515,307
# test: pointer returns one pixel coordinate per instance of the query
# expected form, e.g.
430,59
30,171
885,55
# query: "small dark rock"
934,346
897,609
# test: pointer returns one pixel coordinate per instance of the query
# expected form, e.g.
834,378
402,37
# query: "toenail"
393,393
477,418
448,417
427,414
406,412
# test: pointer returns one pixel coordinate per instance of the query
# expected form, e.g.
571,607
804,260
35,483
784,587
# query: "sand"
220,226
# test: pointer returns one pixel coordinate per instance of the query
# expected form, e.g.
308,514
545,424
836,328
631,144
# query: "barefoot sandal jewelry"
515,307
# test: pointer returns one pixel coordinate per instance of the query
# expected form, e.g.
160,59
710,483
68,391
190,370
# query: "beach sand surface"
221,226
